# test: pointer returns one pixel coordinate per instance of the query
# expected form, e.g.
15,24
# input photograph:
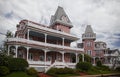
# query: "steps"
57,64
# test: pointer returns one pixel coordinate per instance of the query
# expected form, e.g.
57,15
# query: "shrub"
55,71
52,72
117,69
84,66
4,59
99,64
4,70
17,64
105,68
31,71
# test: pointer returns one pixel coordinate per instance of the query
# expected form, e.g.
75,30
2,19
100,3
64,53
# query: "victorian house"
98,49
46,46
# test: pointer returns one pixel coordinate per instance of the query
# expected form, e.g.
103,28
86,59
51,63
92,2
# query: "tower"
60,21
88,39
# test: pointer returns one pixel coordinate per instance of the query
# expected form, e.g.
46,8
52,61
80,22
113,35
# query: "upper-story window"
64,18
89,52
89,44
97,45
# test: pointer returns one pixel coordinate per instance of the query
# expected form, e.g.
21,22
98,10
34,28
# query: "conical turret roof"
60,17
88,29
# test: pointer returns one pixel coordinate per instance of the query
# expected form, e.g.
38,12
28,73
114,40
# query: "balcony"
39,62
52,31
110,55
32,42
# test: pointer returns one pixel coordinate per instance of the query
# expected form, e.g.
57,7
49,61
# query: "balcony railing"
52,30
42,43
110,55
39,62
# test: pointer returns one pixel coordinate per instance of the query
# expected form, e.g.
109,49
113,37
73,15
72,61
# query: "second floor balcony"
33,43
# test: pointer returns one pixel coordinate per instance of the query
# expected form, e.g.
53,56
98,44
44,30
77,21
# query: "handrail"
42,43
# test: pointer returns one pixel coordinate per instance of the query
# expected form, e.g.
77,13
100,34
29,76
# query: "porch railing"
22,40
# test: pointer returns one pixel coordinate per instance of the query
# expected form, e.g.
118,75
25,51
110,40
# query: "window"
88,44
89,52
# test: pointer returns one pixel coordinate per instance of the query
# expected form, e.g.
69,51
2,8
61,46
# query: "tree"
87,58
9,34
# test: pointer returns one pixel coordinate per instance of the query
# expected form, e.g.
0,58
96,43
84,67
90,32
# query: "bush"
55,71
4,59
17,64
52,72
84,66
31,71
117,69
4,70
99,64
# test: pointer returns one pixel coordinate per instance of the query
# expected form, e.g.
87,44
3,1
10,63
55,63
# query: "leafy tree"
87,58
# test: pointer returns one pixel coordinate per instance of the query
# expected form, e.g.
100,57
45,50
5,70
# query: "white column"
82,57
27,52
28,34
8,50
16,51
93,60
76,57
45,52
63,41
63,57
45,38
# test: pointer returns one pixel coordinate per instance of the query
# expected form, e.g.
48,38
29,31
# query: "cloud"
103,15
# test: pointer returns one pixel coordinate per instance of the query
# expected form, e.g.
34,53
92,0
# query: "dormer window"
64,18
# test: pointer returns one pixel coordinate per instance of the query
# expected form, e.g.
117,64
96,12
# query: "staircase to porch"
57,64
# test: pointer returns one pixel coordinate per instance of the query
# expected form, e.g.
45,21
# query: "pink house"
46,46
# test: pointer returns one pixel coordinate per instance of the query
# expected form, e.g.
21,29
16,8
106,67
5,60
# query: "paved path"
100,75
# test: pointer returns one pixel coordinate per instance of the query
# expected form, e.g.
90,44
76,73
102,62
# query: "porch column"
63,41
27,52
45,38
45,51
63,57
76,57
82,57
93,60
16,50
28,34
8,50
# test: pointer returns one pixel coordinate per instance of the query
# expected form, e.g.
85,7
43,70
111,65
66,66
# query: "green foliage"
87,58
84,66
17,64
4,70
52,72
117,69
19,74
59,71
31,71
99,64
4,59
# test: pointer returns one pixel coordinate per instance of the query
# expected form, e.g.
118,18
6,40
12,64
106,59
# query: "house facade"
46,46
98,49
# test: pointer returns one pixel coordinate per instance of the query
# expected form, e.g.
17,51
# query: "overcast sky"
102,15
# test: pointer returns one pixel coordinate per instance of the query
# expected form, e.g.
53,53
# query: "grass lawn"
18,74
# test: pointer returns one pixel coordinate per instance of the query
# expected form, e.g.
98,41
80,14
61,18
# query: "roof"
88,29
57,18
